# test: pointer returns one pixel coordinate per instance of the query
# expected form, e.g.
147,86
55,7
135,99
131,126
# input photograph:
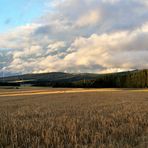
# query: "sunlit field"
73,118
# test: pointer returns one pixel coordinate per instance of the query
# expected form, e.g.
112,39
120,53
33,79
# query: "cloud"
91,18
111,51
111,1
80,36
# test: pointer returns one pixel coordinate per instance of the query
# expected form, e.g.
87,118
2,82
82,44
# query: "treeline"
131,79
134,79
9,84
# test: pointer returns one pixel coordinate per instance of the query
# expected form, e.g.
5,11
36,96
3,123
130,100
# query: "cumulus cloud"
90,18
122,50
80,36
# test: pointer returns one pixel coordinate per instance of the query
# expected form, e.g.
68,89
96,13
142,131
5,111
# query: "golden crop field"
73,118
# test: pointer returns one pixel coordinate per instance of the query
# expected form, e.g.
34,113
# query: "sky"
19,12
91,36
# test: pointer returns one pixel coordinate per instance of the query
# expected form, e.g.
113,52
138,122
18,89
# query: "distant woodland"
131,79
135,79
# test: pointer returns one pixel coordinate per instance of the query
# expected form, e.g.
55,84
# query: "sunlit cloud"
80,36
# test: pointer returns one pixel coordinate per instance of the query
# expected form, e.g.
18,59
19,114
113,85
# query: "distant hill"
50,77
129,79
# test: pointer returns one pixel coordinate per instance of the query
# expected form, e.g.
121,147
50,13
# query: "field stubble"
94,119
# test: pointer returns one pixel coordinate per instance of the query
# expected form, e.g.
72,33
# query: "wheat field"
75,120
